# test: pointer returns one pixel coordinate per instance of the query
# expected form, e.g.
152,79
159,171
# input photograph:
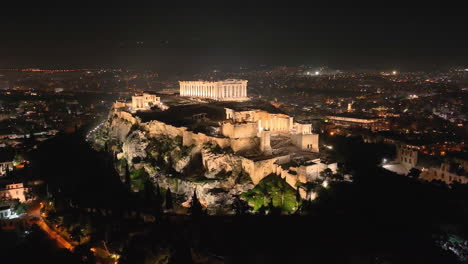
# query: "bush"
272,189
138,179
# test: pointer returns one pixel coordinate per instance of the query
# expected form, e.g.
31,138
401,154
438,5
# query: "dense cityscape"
229,162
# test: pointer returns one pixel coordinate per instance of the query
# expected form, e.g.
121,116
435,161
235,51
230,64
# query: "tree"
149,193
77,234
84,254
262,210
196,209
18,159
21,208
169,204
326,173
159,201
273,188
298,199
240,206
272,210
414,173
128,182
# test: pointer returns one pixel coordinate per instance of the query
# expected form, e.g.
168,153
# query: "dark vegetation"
380,218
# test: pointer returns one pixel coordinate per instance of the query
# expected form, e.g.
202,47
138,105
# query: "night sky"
191,38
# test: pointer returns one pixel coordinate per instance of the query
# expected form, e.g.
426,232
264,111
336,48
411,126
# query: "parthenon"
226,90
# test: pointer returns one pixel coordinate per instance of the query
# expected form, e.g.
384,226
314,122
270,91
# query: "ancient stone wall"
244,144
157,128
308,142
239,130
198,139
262,168
126,116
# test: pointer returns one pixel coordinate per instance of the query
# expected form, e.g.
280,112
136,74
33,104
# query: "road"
34,212
53,235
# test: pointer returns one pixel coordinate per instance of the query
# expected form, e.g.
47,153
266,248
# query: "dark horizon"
189,39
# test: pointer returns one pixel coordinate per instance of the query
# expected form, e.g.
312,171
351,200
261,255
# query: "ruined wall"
157,128
273,122
245,130
265,140
126,116
244,144
118,104
302,128
308,142
262,168
198,139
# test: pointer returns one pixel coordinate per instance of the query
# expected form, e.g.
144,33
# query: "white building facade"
15,191
227,90
145,101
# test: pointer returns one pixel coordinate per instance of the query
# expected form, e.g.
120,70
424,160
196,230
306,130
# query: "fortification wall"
262,168
198,139
189,138
307,142
157,128
239,130
127,117
244,144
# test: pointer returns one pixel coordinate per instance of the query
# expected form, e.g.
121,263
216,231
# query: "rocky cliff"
157,152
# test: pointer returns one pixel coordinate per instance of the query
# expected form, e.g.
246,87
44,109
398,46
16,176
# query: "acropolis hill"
220,149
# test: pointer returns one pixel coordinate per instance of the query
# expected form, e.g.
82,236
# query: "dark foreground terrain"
380,218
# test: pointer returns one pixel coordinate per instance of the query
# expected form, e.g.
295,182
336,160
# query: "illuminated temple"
226,90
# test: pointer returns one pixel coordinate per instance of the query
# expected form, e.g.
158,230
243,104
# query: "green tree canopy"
272,191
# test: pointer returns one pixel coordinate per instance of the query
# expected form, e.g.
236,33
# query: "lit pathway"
34,211
53,235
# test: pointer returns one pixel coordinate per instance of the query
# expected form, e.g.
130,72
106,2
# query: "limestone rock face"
156,144
212,194
119,129
180,164
215,164
135,146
